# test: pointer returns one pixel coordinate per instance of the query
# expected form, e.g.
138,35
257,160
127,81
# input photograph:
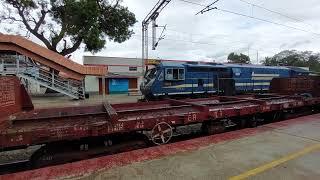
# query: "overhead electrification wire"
198,4
240,49
275,12
210,36
228,41
268,21
252,17
216,36
203,43
208,8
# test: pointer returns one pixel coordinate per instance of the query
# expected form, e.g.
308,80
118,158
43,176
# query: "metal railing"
20,66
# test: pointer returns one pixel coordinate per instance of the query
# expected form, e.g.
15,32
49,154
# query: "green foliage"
238,59
62,25
313,62
270,61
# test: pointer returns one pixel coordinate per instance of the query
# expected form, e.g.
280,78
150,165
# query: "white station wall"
91,84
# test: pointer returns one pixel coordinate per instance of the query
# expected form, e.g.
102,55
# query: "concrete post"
52,78
104,88
2,67
17,62
69,89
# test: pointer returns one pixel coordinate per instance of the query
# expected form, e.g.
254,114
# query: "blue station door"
118,86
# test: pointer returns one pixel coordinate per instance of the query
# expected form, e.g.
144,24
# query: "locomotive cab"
148,80
161,76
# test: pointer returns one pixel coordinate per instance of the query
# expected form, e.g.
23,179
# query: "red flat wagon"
158,120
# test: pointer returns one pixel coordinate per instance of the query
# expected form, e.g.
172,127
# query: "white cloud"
221,33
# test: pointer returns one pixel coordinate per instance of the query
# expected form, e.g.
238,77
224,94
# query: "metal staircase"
29,70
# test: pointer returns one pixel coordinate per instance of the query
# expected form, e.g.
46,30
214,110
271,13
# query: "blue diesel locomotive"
193,78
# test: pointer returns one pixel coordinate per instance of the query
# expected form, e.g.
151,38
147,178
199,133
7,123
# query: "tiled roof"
61,63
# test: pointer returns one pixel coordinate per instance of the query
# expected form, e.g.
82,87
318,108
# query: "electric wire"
186,1
275,12
205,43
252,17
265,20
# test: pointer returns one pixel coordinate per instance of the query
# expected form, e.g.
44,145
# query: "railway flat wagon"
72,133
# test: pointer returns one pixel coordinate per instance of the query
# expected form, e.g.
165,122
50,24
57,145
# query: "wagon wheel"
161,133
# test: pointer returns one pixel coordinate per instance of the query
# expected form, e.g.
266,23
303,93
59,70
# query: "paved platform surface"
284,150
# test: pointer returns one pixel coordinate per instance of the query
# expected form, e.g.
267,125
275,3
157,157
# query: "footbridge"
35,63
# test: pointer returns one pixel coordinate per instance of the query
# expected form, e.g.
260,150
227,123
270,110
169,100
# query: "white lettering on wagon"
17,139
80,128
115,127
192,117
60,133
139,125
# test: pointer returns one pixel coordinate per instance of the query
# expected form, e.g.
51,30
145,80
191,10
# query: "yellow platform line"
277,162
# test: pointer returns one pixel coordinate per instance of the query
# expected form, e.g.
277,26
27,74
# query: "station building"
124,75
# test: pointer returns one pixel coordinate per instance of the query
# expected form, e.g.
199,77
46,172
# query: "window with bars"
133,68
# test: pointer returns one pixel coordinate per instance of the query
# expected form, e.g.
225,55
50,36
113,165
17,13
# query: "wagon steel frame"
42,126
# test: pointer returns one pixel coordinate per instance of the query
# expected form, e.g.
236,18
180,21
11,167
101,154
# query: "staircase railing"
22,67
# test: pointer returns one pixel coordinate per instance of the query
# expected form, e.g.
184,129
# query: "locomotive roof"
255,66
207,65
299,69
173,63
217,65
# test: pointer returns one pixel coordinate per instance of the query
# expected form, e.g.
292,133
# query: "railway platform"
282,150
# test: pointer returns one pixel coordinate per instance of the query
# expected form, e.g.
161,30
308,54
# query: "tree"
314,63
270,61
294,59
63,25
239,59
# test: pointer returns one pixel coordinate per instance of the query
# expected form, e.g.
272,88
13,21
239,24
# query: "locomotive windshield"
150,74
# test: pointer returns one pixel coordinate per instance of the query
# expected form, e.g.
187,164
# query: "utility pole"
151,17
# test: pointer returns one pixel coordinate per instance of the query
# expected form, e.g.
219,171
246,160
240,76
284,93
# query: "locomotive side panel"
181,78
254,78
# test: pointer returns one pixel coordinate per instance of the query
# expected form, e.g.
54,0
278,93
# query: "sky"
213,35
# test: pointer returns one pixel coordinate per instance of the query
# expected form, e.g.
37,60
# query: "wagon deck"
42,126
